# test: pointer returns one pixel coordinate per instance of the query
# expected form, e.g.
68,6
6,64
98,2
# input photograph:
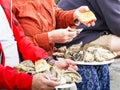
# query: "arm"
34,29
28,50
63,18
78,14
11,79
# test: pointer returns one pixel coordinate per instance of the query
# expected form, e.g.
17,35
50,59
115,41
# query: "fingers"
90,23
69,40
72,68
83,9
85,16
93,23
72,64
70,34
50,81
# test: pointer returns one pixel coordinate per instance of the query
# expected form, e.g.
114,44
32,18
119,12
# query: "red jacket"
9,77
38,17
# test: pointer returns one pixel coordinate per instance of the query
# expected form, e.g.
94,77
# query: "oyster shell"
41,66
74,48
88,57
77,30
72,76
58,54
77,56
69,53
62,49
27,63
26,66
87,53
100,53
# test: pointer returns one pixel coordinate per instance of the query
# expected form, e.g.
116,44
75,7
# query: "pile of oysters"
87,54
41,66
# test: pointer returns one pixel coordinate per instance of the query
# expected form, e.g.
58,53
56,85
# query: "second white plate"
94,63
65,86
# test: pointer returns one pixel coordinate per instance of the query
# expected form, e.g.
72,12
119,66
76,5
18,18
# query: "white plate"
94,63
65,86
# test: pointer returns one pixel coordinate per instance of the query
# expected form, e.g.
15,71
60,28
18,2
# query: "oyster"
67,55
62,49
87,53
75,48
27,63
41,66
58,54
100,53
26,66
77,30
55,72
88,57
78,56
71,52
72,76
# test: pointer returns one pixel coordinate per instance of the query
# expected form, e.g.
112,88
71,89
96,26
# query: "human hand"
61,35
85,16
66,64
42,81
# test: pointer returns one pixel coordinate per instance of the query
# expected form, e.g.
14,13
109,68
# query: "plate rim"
95,62
67,85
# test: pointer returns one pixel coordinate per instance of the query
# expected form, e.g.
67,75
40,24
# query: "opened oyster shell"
87,54
41,66
72,76
75,30
100,53
69,53
26,66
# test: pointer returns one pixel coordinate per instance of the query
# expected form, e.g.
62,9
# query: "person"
42,22
10,78
105,33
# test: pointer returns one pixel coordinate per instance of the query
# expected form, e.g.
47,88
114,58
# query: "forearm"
64,18
11,79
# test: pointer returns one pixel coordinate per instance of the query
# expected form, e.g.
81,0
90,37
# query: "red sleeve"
28,50
64,18
10,79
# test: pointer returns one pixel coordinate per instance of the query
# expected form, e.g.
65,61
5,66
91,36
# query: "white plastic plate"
95,63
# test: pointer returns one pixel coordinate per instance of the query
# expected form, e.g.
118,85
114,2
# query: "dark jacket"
107,13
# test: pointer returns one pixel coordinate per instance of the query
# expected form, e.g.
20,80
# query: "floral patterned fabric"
94,77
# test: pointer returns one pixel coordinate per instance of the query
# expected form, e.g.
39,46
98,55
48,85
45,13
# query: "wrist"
50,37
50,60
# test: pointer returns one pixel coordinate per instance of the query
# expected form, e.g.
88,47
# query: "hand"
78,19
61,35
66,64
42,81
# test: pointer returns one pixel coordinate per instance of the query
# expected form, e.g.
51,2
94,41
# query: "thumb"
83,9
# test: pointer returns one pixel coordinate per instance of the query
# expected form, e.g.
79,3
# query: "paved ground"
115,75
